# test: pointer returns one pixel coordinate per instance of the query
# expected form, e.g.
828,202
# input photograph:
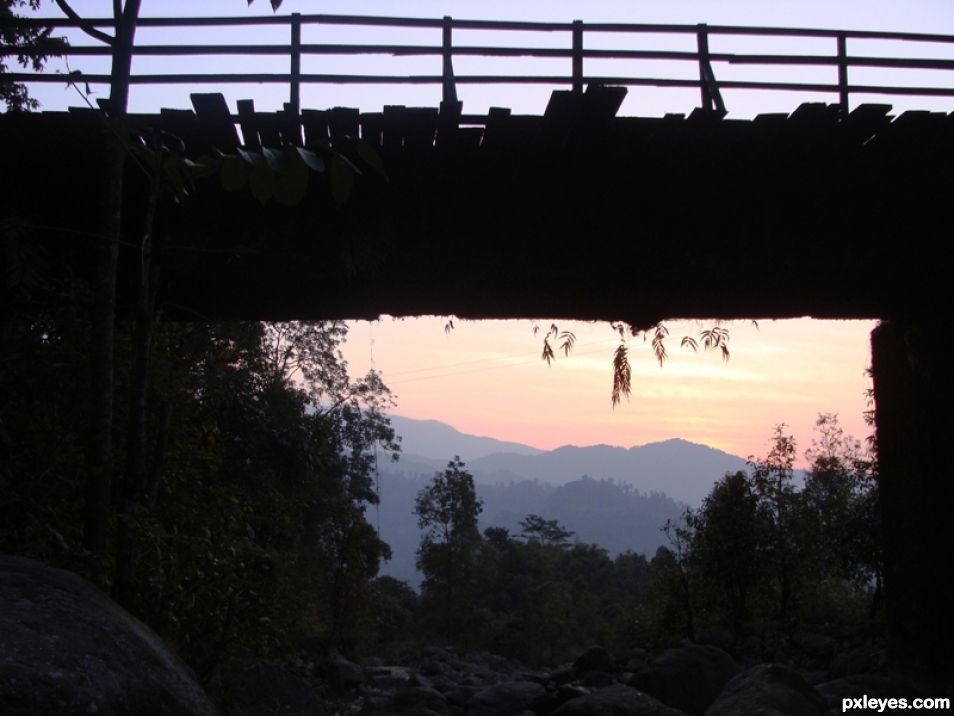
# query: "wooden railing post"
447,51
711,96
578,56
843,72
294,97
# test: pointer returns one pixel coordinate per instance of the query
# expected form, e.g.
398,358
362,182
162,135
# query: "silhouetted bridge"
833,210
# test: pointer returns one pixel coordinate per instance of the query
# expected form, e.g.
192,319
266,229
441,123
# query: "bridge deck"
577,213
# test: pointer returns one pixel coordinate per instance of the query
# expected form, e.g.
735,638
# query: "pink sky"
487,378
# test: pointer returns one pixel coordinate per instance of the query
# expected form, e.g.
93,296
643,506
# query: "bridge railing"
574,50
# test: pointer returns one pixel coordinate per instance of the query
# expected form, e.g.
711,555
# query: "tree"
840,506
447,511
34,46
550,533
103,309
772,480
729,541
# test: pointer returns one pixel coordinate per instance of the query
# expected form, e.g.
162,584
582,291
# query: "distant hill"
439,441
612,496
611,514
681,469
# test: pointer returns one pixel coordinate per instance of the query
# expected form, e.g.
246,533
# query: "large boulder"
618,700
768,690
66,648
688,677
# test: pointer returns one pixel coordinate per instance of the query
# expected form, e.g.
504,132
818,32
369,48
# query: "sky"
487,378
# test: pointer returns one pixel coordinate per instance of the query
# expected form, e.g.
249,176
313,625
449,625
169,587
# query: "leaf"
314,162
449,326
690,342
659,346
369,156
622,374
291,184
277,161
234,173
547,354
725,353
568,340
261,181
341,178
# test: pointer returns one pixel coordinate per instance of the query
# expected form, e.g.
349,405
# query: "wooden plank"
343,121
215,120
372,128
315,124
249,124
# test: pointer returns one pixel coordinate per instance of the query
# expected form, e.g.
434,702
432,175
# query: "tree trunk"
99,456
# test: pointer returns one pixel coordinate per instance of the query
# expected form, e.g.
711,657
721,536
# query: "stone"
617,700
768,689
66,648
507,699
688,677
596,658
419,697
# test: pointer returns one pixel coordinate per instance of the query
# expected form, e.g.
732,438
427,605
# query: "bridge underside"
574,215
571,215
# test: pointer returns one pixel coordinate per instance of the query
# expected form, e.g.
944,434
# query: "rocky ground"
687,679
66,649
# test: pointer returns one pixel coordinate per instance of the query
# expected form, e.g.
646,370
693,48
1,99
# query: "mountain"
681,469
439,441
615,497
605,512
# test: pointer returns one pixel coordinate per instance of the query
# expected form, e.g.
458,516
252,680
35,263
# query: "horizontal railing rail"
709,85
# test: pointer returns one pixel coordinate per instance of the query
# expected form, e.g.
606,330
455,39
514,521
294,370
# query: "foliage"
447,511
35,47
254,533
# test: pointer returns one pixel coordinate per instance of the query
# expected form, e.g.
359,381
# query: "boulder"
618,700
419,697
596,658
507,699
66,648
688,677
769,690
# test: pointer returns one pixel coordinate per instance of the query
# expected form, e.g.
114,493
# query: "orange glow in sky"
487,378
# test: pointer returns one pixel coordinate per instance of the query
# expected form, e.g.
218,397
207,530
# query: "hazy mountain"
612,496
683,470
611,514
439,441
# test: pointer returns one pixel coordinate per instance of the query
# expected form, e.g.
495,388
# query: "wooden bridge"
835,210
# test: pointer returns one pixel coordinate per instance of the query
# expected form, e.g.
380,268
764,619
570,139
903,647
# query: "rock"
419,697
68,649
616,700
506,699
597,679
688,677
877,686
596,658
246,687
344,675
861,660
768,689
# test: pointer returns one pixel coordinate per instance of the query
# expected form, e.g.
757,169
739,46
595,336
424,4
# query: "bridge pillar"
914,400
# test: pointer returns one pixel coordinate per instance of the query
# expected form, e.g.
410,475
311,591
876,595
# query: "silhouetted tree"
447,511
35,46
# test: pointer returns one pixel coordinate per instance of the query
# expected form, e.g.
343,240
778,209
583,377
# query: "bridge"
837,209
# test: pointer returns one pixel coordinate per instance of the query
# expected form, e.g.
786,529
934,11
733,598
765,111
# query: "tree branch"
84,25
